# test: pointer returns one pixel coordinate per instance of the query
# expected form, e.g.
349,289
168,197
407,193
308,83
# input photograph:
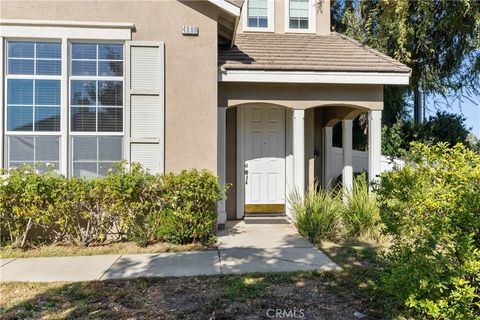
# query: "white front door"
264,155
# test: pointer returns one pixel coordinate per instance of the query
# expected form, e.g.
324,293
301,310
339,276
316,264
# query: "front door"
264,138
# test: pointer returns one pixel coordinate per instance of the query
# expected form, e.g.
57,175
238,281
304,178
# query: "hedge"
127,204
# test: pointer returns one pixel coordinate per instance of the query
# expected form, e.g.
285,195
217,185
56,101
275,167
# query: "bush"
431,208
128,203
318,214
361,217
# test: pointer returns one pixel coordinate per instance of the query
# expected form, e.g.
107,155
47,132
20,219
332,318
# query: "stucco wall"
322,17
191,63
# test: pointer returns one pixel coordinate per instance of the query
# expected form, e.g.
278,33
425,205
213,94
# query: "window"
33,94
259,15
300,16
94,156
96,107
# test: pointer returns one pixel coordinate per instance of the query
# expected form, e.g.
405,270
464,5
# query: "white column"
221,157
327,157
347,172
299,150
374,144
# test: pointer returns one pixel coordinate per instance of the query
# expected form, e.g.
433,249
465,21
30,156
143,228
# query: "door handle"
246,176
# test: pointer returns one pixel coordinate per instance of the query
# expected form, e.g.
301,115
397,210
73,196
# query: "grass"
321,295
114,248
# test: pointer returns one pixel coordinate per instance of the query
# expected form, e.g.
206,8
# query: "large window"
259,15
35,128
300,16
96,107
33,78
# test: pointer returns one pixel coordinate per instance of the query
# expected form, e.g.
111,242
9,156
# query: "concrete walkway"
250,245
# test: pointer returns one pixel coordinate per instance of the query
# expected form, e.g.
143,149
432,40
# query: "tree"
438,39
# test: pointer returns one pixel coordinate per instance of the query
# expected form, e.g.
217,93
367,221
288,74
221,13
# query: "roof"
305,52
237,3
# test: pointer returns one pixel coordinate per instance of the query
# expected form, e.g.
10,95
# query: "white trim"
289,168
374,145
347,171
65,29
221,159
298,131
327,157
312,18
313,77
2,103
240,162
230,8
271,18
64,110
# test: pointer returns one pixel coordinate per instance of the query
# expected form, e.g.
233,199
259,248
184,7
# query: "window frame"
6,134
270,18
72,134
312,18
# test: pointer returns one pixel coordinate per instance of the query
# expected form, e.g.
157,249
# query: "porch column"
347,172
374,144
299,150
327,159
221,155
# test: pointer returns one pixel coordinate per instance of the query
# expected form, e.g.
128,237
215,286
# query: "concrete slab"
5,261
81,268
279,260
261,233
165,265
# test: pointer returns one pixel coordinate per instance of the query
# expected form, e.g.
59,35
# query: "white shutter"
145,120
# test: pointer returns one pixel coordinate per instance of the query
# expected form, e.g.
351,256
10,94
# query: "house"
247,89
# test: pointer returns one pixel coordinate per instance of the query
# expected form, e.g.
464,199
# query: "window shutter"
145,121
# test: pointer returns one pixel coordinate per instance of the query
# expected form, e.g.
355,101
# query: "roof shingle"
305,52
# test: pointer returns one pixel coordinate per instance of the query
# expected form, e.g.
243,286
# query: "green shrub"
431,208
318,214
361,217
190,199
128,203
26,201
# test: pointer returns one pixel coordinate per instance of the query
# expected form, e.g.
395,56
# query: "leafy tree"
438,39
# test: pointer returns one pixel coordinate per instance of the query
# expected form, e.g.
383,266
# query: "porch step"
265,214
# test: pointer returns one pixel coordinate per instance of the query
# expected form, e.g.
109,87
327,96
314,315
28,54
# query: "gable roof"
305,52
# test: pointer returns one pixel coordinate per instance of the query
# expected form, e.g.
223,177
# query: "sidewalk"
250,245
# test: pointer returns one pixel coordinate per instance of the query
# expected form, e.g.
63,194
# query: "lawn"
59,250
317,295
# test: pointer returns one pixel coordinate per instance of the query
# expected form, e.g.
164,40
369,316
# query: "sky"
470,110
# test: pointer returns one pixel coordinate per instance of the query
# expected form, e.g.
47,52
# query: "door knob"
246,176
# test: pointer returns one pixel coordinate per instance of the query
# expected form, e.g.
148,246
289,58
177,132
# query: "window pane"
110,51
84,119
85,169
47,92
20,66
84,51
110,149
304,24
110,93
103,168
49,50
47,119
21,149
84,148
19,118
252,22
293,24
110,68
20,49
263,22
84,68
47,149
49,67
20,91
83,92
110,119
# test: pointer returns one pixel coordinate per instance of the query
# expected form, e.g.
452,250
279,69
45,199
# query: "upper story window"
259,15
300,15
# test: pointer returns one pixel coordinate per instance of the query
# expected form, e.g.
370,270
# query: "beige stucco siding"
302,96
190,62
